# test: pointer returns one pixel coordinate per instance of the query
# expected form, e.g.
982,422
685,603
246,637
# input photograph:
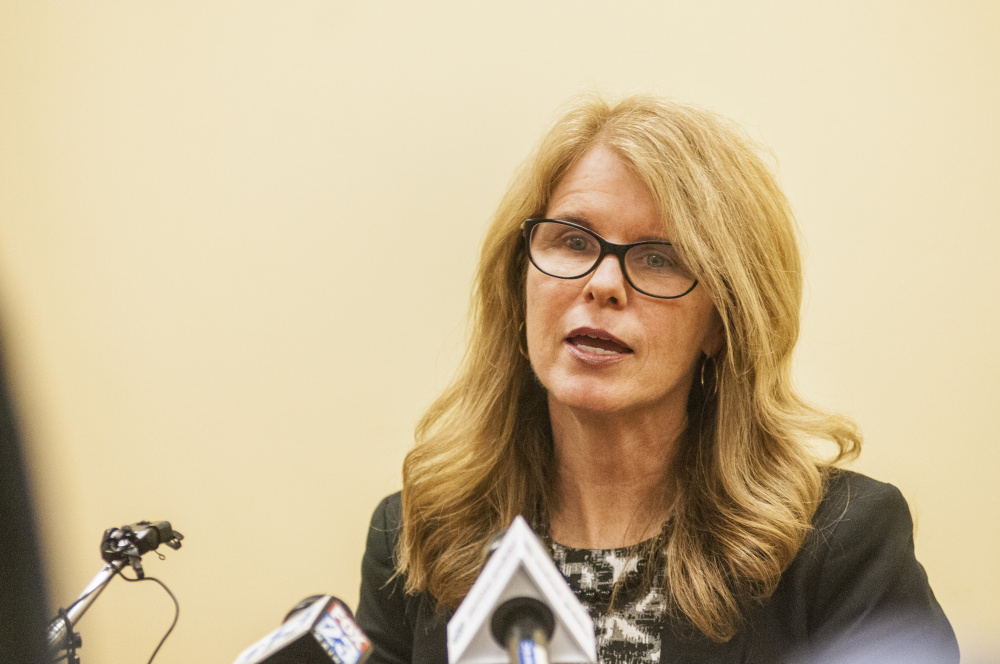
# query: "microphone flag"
323,632
520,567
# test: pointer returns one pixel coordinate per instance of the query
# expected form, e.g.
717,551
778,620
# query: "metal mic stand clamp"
119,547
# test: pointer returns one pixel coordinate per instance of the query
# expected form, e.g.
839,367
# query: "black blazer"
854,593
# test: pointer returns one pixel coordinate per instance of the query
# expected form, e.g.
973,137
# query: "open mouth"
599,343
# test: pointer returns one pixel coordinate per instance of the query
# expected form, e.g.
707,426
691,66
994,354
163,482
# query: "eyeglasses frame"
607,248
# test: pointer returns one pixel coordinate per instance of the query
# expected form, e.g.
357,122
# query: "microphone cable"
177,606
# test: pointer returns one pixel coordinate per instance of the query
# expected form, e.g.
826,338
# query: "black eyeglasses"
568,251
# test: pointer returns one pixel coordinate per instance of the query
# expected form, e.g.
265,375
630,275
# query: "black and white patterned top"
630,630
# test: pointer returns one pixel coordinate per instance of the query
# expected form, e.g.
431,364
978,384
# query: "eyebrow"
586,224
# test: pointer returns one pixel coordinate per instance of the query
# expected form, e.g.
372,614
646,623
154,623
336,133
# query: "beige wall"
237,238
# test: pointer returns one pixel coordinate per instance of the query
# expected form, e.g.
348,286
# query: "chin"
599,397
590,398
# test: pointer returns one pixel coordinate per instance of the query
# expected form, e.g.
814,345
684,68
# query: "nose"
606,285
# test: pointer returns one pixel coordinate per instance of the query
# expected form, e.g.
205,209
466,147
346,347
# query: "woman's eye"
656,260
577,242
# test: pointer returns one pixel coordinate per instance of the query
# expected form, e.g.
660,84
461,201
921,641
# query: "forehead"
602,192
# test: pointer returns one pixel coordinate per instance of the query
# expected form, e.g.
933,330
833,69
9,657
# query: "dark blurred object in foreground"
23,609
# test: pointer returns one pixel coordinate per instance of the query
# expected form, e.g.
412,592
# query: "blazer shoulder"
851,500
383,531
389,511
869,597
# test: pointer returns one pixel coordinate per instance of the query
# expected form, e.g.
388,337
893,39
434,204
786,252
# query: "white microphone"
520,609
320,632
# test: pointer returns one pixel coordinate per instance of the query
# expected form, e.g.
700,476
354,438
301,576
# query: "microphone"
318,630
525,626
131,542
521,610
119,547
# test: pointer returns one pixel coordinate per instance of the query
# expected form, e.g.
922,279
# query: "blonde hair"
748,480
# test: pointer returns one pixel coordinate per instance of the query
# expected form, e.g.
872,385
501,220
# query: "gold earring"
713,379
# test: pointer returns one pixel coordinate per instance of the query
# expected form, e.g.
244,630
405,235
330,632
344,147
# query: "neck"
614,476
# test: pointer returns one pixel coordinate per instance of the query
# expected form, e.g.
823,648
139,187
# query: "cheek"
683,335
534,313
546,299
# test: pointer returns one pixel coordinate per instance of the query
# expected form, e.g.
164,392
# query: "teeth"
595,349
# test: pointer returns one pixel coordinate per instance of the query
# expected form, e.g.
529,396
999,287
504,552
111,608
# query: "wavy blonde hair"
748,478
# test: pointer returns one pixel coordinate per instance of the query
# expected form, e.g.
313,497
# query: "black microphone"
318,630
130,542
524,626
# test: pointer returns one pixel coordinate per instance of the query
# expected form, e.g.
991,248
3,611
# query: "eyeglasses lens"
563,251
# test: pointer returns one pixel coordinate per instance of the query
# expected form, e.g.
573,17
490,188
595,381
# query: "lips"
598,342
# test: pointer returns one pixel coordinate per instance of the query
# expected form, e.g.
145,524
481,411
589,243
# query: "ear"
715,337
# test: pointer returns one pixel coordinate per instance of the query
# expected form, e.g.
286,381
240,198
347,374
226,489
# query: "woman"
627,388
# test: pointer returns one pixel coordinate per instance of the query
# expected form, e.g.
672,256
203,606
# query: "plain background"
237,242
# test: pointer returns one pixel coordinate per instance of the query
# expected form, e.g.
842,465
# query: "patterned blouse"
630,630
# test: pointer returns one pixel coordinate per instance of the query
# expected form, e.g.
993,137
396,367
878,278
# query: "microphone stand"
119,547
60,635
